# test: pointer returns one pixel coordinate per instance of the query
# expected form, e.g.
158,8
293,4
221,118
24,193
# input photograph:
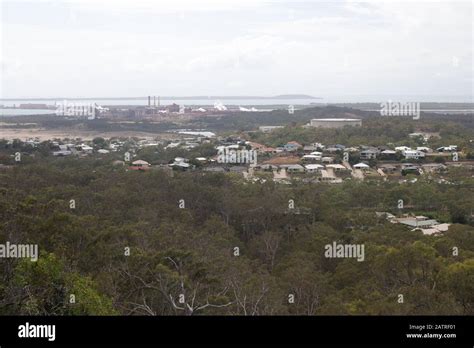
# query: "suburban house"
260,148
415,221
388,168
309,148
292,146
449,148
388,154
409,168
327,159
329,177
85,148
180,163
369,154
293,168
420,223
268,150
180,166
180,160
140,165
337,167
311,158
333,149
313,168
361,166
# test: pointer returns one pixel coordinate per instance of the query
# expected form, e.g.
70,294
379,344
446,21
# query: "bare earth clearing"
45,134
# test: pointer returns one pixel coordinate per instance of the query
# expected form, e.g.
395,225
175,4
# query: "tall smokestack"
149,99
154,101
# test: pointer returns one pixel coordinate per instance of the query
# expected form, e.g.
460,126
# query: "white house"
369,154
311,158
180,160
449,148
336,167
313,168
86,148
316,153
327,159
361,166
180,165
140,163
294,168
402,148
388,153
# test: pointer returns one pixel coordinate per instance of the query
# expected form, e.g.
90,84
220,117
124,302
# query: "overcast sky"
94,48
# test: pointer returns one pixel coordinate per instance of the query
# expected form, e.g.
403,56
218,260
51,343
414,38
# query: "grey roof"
417,223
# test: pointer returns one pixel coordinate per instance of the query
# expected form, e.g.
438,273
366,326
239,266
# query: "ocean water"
229,102
24,112
144,101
